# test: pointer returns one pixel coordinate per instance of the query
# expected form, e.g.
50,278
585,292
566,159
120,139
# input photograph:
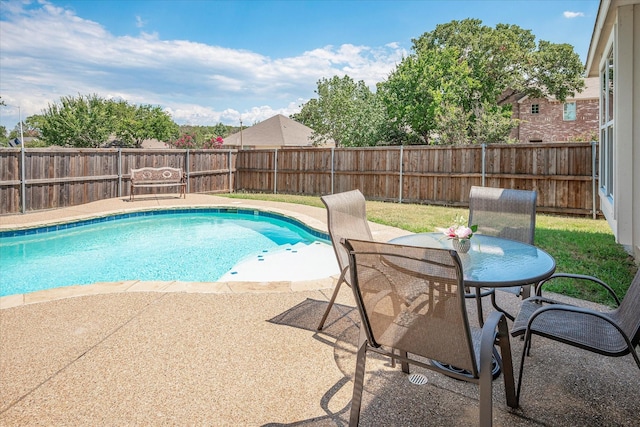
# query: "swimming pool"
198,245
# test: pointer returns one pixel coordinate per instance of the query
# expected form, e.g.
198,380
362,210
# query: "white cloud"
570,15
197,83
140,22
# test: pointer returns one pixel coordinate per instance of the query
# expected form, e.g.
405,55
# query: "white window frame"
607,94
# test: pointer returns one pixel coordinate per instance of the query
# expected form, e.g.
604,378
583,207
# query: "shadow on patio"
256,359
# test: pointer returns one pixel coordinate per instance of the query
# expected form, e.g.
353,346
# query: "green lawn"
579,245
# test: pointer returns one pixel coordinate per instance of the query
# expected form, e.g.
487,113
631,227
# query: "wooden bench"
158,177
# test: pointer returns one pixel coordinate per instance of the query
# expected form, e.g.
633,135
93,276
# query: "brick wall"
548,125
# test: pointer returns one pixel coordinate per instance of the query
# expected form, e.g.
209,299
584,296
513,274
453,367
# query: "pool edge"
74,291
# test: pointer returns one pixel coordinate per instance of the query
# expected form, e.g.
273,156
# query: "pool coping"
311,218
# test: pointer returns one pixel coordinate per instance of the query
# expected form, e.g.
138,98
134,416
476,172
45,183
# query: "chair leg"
525,351
495,332
358,381
479,307
333,299
485,385
404,365
504,344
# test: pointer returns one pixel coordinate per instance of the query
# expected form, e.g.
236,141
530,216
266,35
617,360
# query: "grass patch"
579,245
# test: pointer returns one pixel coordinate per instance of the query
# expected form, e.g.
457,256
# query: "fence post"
186,169
23,187
229,164
333,150
275,172
401,170
484,161
594,186
119,172
23,176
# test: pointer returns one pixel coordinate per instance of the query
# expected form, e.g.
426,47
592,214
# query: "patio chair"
411,304
612,333
346,218
505,213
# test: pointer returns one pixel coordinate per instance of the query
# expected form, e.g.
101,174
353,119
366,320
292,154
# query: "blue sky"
207,62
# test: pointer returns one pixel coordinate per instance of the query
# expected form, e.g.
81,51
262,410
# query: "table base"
495,368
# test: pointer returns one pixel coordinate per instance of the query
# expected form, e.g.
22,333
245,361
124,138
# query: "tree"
190,141
458,72
195,136
85,121
137,123
346,112
90,121
3,135
33,125
507,58
425,89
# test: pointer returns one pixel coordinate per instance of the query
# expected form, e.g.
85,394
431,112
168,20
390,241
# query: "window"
606,127
535,108
569,111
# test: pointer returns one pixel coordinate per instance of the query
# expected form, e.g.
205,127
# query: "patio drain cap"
418,379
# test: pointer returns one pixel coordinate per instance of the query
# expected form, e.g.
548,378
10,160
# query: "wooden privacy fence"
54,178
564,174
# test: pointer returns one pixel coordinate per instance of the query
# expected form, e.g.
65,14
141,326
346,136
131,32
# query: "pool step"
287,262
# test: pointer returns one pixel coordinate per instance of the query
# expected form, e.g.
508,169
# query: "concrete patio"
248,354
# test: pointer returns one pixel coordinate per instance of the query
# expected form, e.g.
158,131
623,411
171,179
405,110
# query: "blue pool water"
189,246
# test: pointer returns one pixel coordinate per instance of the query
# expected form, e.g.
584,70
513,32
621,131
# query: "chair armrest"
540,300
581,310
538,288
494,326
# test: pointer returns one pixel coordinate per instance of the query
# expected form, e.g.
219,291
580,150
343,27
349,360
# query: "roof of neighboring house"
154,143
277,131
590,91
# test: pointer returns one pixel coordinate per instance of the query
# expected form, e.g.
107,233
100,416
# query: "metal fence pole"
23,176
484,162
230,175
594,187
119,172
401,170
23,189
333,153
186,170
275,172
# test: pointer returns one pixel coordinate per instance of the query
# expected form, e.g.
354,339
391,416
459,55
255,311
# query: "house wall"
548,125
627,128
618,25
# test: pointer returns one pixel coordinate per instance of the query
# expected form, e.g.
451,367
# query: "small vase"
462,245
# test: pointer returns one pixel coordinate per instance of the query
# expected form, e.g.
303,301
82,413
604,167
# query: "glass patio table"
492,262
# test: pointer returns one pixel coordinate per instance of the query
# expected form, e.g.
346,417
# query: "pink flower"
451,232
459,229
463,232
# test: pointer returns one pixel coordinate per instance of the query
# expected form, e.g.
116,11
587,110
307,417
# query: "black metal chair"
505,213
412,305
346,218
612,333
